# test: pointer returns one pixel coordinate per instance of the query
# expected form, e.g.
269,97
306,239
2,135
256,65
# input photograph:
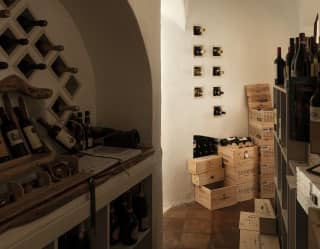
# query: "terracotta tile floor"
190,226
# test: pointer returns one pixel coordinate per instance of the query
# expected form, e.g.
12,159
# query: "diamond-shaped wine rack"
45,46
9,42
25,18
59,67
10,3
58,105
25,66
72,86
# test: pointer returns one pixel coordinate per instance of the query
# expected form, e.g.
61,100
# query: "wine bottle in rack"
27,66
8,41
59,67
29,132
61,136
198,30
5,13
28,23
289,59
45,47
12,136
129,222
88,129
3,65
280,67
301,62
114,226
141,209
315,120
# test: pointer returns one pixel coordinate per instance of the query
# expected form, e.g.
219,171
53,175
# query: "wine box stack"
258,230
208,175
241,170
261,130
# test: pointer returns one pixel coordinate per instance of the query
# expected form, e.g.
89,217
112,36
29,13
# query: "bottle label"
315,114
3,148
66,139
14,137
32,137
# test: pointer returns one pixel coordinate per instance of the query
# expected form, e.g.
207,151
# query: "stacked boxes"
208,175
261,130
241,170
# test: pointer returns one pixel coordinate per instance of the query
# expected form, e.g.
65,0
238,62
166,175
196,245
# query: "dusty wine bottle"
280,67
61,135
315,120
12,136
5,13
29,132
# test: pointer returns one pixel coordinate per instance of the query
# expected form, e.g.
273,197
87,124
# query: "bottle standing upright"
280,67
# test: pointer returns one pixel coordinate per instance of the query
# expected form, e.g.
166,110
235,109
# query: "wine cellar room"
149,124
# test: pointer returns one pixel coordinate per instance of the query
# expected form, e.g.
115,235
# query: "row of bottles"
237,141
12,142
129,216
76,136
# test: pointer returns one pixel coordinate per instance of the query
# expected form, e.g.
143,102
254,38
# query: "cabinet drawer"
214,198
204,164
212,176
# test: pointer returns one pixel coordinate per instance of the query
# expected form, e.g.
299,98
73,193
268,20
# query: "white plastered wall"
249,32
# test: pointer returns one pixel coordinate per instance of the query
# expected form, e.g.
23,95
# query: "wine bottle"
289,59
141,209
296,47
280,67
88,130
129,222
228,141
83,237
114,226
315,120
28,23
29,132
8,41
80,133
5,13
302,63
12,136
314,71
61,136
60,69
45,47
3,65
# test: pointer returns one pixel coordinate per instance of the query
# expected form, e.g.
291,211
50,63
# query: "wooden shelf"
282,149
284,212
140,239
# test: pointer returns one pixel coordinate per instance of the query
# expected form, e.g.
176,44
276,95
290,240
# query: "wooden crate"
213,197
267,169
268,221
263,116
234,156
204,164
244,173
266,153
216,174
249,240
314,228
269,242
258,96
267,187
262,133
245,191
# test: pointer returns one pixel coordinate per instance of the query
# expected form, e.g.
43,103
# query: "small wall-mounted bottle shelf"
217,91
9,42
198,30
197,71
217,51
217,71
44,46
217,111
59,67
198,92
27,66
28,22
198,51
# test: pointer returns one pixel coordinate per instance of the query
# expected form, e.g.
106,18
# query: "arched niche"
115,45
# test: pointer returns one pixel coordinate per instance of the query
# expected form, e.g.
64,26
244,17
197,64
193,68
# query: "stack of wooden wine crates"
261,130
